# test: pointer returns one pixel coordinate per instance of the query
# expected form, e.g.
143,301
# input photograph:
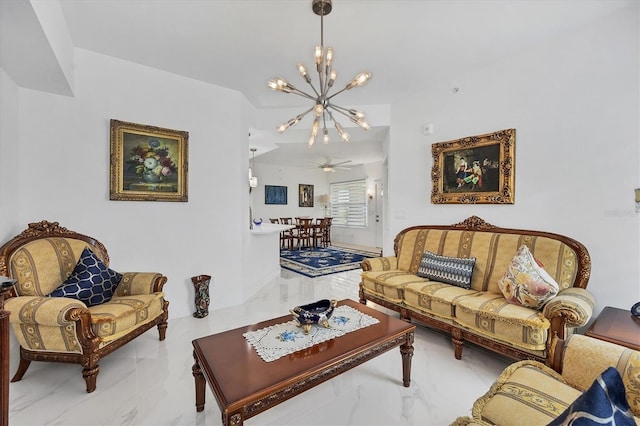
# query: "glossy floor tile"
148,382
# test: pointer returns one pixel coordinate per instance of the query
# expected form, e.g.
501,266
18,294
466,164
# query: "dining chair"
286,237
304,228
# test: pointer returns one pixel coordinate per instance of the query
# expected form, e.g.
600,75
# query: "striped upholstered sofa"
62,329
531,393
481,314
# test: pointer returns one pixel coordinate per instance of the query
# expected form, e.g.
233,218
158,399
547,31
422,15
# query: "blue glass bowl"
314,313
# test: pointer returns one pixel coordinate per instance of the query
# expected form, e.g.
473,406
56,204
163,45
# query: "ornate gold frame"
490,172
148,163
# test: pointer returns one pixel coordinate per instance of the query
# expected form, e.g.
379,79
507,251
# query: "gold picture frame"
475,169
148,163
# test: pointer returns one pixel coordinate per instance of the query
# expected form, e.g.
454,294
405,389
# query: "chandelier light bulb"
359,80
356,113
362,123
318,110
329,57
344,135
332,77
303,71
325,138
318,55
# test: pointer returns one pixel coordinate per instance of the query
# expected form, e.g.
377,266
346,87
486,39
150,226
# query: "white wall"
9,157
64,148
574,102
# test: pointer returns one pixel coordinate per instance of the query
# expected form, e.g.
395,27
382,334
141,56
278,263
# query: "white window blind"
349,203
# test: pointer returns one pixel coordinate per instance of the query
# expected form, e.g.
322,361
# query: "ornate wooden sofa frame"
481,314
61,329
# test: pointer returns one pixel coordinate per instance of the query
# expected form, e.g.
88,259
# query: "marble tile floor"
148,382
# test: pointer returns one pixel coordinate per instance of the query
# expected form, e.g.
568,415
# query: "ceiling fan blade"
340,163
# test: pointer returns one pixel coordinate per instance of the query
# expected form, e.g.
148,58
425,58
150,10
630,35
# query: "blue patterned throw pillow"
445,269
91,281
604,403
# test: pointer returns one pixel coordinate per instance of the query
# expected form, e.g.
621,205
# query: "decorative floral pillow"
91,281
526,283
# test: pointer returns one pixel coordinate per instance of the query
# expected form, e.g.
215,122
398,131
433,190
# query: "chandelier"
323,107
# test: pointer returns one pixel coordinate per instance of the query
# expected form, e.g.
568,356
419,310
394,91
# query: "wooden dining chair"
286,237
303,235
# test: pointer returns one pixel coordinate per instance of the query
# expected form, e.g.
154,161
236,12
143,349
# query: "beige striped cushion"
40,266
585,358
435,298
389,284
491,315
121,314
526,393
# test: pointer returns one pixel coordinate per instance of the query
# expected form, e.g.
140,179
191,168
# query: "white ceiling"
241,44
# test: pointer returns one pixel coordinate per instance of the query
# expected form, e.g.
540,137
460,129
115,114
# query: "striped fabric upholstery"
482,309
530,393
111,320
41,265
493,253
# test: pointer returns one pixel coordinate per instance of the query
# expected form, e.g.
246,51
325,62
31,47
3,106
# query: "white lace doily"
283,339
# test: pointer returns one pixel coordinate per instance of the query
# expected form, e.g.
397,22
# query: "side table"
617,326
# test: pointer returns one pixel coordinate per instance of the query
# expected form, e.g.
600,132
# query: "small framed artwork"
275,194
305,195
475,169
148,163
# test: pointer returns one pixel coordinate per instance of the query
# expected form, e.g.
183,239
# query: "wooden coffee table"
617,326
245,385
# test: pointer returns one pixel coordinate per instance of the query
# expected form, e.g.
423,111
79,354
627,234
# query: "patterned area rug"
283,339
323,261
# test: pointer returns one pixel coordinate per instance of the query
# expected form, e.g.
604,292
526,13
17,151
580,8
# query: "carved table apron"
245,385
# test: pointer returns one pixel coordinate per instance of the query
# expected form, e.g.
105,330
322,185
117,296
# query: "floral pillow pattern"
526,283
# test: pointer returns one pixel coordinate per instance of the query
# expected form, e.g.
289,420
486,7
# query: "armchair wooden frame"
91,353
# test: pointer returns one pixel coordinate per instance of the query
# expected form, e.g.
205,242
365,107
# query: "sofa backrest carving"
565,259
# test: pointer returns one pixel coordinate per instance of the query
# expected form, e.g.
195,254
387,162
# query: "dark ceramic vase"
201,284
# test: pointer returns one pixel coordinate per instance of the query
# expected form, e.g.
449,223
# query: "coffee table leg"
406,350
200,384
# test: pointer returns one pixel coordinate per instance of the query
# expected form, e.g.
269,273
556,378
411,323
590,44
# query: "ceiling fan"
327,166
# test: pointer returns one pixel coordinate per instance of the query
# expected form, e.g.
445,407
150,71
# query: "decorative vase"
150,177
201,284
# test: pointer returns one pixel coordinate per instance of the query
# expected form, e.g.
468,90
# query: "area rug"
283,339
317,261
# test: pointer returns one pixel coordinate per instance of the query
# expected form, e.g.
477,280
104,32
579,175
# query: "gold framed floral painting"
148,163
475,169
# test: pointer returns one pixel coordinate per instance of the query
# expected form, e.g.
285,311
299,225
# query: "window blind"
349,203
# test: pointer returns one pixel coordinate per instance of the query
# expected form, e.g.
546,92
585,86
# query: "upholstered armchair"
67,305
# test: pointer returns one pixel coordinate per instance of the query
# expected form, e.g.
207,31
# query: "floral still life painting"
148,163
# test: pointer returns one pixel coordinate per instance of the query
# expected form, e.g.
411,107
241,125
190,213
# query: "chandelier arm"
303,94
338,109
301,116
345,110
314,90
337,93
